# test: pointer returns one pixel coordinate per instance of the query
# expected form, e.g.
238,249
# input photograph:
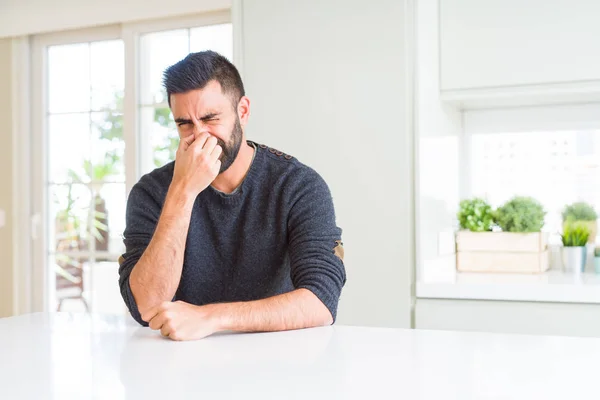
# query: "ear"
243,110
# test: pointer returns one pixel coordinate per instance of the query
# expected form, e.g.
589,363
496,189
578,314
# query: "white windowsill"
552,286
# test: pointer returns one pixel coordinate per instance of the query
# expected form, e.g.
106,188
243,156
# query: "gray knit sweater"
276,233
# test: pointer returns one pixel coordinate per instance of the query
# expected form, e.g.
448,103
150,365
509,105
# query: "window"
555,167
86,172
91,149
551,153
158,51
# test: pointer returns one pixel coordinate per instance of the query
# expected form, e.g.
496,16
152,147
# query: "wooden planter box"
501,252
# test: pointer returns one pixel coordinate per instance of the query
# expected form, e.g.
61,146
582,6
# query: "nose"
200,128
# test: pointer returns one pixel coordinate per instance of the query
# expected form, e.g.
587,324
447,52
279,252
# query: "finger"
148,315
165,330
201,139
216,153
158,321
210,144
217,166
186,141
151,313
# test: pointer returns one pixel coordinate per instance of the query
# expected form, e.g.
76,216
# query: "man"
232,235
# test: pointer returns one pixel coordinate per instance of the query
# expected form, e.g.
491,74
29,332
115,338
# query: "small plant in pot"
520,248
597,259
575,237
521,214
582,212
475,215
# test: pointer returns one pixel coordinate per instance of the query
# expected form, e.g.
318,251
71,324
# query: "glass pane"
556,168
68,147
109,217
159,51
108,148
69,78
69,215
103,288
218,38
82,285
107,68
71,282
158,124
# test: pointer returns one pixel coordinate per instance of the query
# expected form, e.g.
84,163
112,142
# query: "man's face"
209,110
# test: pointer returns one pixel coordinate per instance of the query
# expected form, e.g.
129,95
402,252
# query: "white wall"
20,17
493,43
509,317
439,133
328,84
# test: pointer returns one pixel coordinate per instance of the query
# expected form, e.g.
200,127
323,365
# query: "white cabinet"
492,44
529,318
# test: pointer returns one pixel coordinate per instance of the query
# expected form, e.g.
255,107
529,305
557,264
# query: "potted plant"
575,237
582,212
475,215
68,238
521,214
597,259
98,174
519,247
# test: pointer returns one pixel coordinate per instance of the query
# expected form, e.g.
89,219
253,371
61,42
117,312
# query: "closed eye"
182,121
210,117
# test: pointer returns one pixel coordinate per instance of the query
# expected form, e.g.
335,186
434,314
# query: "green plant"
521,214
579,211
62,264
475,215
67,221
165,151
98,173
68,231
110,127
110,132
575,234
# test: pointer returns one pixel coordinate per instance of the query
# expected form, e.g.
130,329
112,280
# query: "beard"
232,148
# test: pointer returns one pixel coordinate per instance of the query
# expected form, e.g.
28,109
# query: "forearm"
294,310
156,275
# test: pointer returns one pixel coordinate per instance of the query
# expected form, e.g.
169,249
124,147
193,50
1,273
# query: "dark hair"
197,69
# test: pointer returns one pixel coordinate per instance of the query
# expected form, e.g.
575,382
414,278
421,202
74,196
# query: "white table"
78,356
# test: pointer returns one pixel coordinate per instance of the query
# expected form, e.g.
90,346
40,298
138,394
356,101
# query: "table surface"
81,356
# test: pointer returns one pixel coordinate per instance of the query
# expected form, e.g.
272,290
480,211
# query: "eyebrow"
203,118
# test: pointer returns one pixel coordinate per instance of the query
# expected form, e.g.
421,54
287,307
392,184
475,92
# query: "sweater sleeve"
316,255
141,219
